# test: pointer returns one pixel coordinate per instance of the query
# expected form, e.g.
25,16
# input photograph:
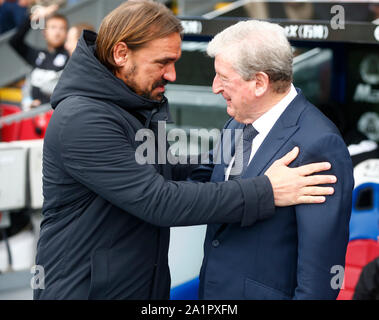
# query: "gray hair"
256,46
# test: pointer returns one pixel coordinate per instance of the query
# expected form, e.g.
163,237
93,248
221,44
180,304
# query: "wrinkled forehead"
223,64
168,47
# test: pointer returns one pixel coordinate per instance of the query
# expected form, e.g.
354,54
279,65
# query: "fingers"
37,14
51,9
317,191
310,199
289,157
314,194
311,168
319,179
43,12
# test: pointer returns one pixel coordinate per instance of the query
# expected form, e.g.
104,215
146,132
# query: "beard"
145,93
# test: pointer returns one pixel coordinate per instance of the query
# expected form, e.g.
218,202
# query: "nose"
170,74
216,87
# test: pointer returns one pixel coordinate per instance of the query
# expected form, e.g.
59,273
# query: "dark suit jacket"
289,256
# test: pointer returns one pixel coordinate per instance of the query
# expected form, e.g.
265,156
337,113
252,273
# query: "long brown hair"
135,23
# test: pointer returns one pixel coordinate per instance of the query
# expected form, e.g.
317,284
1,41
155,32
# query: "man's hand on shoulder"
292,186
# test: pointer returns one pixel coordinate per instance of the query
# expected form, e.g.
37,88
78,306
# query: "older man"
290,256
105,230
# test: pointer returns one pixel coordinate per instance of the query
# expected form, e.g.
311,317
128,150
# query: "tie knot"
249,133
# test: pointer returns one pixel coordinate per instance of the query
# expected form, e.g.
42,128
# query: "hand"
293,186
35,103
43,12
26,3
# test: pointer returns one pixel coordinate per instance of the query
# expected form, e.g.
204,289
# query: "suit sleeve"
96,152
323,229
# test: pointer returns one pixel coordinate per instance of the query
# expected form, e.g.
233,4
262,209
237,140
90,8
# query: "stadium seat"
359,253
34,128
9,132
364,221
27,129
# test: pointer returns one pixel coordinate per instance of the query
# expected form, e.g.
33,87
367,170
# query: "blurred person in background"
374,9
74,34
12,14
47,63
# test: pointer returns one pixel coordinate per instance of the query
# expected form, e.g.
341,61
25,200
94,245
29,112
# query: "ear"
262,82
120,54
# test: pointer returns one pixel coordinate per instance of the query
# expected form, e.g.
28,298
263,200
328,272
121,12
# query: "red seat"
9,132
345,294
359,253
35,128
27,129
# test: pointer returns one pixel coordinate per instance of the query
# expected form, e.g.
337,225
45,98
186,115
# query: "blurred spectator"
74,34
12,14
291,10
256,10
368,284
47,64
299,11
374,9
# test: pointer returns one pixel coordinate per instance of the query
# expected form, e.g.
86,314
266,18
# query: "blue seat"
186,291
364,222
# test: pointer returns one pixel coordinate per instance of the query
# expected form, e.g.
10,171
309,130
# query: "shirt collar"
265,122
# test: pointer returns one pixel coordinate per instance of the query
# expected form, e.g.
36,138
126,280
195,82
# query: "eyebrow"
165,60
221,75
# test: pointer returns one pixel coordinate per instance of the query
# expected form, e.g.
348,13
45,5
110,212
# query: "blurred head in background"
26,3
55,31
55,25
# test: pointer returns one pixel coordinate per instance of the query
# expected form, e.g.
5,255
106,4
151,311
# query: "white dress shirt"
264,124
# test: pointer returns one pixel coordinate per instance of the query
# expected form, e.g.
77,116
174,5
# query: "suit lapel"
272,144
280,133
